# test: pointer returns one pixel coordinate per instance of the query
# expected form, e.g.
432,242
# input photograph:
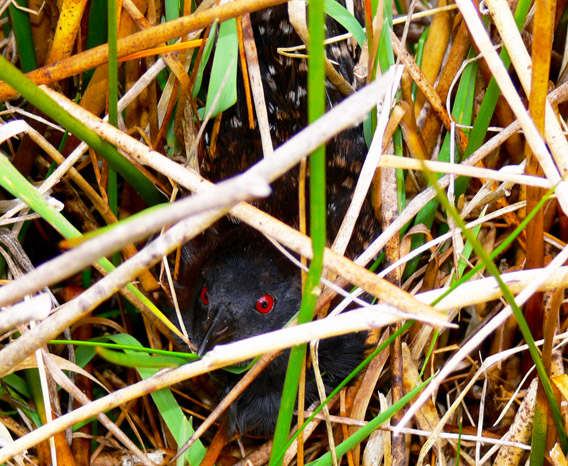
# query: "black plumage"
244,288
284,82
234,283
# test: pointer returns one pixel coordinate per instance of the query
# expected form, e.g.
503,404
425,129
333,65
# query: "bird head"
245,288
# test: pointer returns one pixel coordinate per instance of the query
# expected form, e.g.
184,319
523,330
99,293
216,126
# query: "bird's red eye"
264,304
204,296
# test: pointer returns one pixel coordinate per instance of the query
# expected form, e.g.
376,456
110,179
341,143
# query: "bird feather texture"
233,282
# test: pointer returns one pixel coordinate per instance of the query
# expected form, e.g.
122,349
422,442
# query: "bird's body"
284,81
245,288
233,282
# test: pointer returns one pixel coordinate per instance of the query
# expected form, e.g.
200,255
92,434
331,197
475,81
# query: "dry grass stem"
219,357
486,330
226,195
512,174
284,158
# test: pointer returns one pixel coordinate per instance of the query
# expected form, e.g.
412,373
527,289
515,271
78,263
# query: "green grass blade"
222,90
340,14
316,108
97,33
538,440
138,360
112,180
22,28
173,416
100,342
345,382
204,59
172,8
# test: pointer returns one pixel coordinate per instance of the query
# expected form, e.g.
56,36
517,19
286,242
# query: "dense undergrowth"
463,115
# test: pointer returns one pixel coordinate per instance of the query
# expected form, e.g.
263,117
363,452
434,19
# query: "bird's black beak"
219,330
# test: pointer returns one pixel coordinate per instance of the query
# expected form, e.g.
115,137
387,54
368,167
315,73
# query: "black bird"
246,288
233,282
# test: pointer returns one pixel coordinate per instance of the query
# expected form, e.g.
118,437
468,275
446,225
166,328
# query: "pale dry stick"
558,95
367,172
480,419
227,194
504,174
533,137
426,246
11,129
143,82
485,366
505,23
483,333
35,308
220,356
487,289
256,87
384,404
65,382
557,456
165,98
458,244
6,205
285,157
425,433
23,218
45,395
31,116
520,430
423,14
